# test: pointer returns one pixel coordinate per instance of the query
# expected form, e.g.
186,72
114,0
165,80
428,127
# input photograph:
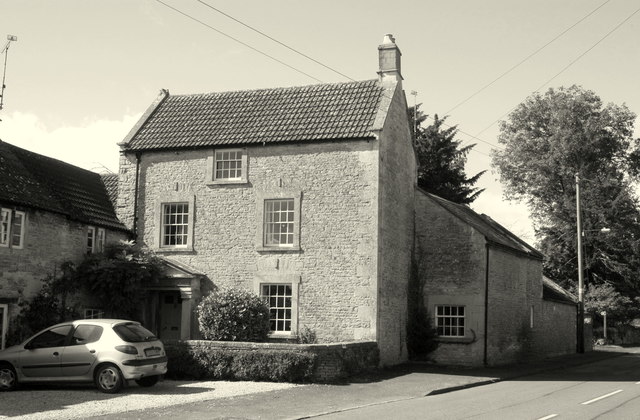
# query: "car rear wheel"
148,381
8,378
109,379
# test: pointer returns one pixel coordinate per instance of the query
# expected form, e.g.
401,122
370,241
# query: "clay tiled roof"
307,113
493,231
110,182
37,181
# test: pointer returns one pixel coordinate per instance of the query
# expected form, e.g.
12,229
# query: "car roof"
98,321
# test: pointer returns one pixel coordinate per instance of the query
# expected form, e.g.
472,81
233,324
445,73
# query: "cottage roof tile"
306,113
37,181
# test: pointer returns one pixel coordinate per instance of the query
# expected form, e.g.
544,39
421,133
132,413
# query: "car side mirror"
29,346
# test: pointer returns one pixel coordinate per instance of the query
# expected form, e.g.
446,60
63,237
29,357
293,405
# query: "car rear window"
134,333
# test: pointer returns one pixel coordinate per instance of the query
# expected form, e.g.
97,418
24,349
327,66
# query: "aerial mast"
5,50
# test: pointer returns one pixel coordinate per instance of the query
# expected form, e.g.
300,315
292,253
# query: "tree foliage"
442,160
547,140
117,278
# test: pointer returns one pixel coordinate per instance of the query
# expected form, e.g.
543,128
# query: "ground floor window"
92,313
450,320
279,298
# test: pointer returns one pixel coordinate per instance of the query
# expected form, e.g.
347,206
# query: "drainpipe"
135,199
486,306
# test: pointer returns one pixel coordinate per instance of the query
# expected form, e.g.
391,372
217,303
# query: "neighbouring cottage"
303,195
484,289
51,212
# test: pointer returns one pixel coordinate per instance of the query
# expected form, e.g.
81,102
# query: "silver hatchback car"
107,352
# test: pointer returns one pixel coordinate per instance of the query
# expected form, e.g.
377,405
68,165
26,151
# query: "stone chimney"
389,60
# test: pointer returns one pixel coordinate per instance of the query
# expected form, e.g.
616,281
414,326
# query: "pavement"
404,382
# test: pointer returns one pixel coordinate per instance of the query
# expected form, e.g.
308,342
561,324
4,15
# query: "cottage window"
12,228
279,222
227,166
279,298
91,239
100,240
5,224
450,320
175,224
93,313
17,229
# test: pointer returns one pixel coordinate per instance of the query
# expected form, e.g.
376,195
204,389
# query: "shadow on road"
32,398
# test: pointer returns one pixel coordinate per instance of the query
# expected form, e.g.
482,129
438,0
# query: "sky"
82,72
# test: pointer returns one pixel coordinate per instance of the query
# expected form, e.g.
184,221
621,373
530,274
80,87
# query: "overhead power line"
238,41
565,68
290,48
526,58
276,41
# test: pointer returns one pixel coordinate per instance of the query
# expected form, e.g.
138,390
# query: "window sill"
283,249
456,340
222,183
188,250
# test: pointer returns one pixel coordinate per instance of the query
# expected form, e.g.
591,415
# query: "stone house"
303,195
51,212
484,289
307,196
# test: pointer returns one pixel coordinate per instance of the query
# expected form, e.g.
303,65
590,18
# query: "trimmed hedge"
199,361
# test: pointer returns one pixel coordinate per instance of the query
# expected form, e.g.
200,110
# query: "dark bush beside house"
234,315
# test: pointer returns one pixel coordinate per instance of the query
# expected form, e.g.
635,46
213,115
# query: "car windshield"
134,333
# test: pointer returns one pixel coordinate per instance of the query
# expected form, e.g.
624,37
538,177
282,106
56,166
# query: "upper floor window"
100,240
450,320
227,166
279,222
91,239
278,215
12,225
175,224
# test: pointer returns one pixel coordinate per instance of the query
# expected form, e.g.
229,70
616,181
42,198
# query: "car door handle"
92,351
55,353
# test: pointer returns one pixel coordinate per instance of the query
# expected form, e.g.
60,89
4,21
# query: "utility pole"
415,114
580,320
5,50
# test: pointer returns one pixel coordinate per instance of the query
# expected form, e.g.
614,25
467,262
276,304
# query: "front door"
170,315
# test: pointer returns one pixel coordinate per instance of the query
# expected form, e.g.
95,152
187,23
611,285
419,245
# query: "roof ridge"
280,88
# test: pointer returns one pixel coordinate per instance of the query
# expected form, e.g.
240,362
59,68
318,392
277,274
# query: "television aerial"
5,50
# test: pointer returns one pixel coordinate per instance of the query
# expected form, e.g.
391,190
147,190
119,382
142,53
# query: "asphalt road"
608,389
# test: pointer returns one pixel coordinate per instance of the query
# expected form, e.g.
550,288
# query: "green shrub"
205,362
233,315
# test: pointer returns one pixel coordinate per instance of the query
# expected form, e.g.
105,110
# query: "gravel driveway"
75,402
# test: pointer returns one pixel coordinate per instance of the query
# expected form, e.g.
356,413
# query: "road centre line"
602,397
550,416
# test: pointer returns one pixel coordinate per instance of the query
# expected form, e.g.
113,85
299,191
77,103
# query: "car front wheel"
109,379
148,381
8,379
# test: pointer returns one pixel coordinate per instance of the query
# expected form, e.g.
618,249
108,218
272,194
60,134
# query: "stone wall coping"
275,346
